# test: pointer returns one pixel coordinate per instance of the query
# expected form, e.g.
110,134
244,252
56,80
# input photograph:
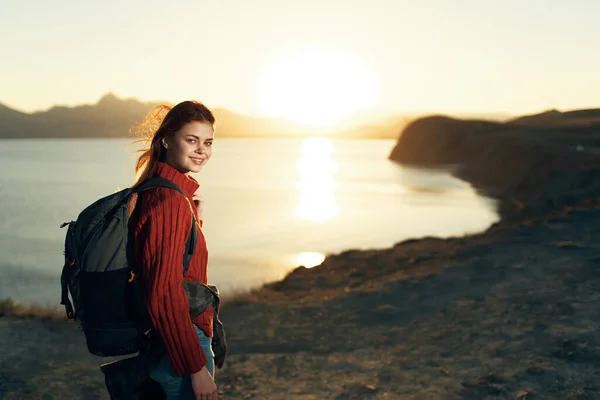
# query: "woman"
181,144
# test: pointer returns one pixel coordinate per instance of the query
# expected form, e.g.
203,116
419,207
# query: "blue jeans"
180,387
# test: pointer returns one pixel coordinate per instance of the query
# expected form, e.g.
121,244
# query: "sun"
316,86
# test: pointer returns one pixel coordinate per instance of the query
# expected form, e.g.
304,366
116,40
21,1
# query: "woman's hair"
162,122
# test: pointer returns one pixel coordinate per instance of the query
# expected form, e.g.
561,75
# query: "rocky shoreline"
509,313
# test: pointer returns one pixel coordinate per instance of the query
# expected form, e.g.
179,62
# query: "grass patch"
239,297
8,308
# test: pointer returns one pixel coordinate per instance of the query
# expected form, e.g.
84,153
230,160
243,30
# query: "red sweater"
162,227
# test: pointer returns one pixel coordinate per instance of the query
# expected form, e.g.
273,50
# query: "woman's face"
190,148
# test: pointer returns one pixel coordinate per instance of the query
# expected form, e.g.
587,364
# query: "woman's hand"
199,202
204,385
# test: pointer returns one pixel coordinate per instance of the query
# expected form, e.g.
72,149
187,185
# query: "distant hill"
439,139
532,163
110,117
113,117
556,118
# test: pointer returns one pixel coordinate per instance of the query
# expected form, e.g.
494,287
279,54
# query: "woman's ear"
164,143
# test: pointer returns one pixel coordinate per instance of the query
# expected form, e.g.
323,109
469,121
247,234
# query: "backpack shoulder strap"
157,181
190,245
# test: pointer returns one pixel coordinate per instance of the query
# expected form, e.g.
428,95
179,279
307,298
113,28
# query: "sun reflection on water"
316,185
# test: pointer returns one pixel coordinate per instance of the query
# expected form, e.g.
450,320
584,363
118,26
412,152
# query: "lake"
270,205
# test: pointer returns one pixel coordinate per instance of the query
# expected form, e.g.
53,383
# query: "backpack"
100,274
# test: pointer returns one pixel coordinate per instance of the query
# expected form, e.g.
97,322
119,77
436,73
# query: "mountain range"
112,117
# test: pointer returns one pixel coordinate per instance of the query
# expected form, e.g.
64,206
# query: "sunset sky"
312,61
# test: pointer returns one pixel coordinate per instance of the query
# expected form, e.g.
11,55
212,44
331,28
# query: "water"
271,204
